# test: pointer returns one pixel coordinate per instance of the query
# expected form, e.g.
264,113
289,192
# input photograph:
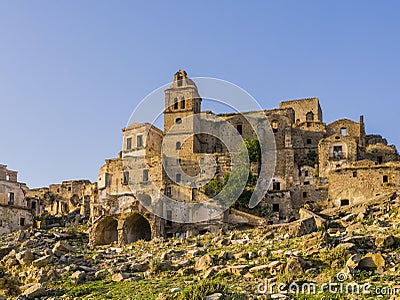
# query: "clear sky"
71,72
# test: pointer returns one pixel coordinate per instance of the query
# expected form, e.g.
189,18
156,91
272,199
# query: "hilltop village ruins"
337,162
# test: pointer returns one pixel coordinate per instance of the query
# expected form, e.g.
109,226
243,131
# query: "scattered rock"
35,291
384,241
203,263
216,296
372,261
78,277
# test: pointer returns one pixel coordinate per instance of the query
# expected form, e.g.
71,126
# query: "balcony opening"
337,152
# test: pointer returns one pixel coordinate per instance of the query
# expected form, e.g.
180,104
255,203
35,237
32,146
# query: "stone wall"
63,198
361,181
303,107
13,218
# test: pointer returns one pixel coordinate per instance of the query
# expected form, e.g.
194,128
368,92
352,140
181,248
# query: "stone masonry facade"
337,162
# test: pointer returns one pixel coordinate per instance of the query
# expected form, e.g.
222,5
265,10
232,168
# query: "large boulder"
25,258
385,241
35,291
61,247
203,263
372,262
353,261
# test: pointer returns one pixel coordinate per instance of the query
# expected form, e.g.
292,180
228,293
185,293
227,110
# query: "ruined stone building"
14,212
64,198
315,161
337,163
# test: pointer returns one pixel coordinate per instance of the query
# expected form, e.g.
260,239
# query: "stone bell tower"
182,101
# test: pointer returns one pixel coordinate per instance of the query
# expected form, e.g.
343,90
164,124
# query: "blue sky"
71,72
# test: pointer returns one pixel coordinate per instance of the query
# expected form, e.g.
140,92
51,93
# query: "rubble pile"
361,243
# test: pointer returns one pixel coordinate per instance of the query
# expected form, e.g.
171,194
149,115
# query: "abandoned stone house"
14,212
62,199
314,161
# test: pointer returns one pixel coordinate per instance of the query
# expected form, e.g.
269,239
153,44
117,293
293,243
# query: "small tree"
253,149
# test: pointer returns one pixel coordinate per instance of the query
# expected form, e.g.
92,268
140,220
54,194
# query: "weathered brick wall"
361,181
7,187
352,128
11,218
302,107
327,159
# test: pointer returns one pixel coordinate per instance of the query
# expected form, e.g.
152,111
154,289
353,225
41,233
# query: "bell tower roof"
181,80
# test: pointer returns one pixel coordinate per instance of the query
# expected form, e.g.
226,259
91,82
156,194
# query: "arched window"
178,121
176,103
182,103
178,145
275,126
310,116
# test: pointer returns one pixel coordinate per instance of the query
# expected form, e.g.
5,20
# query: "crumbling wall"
361,181
304,109
13,218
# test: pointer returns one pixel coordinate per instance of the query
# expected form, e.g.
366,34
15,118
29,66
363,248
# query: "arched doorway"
136,227
106,231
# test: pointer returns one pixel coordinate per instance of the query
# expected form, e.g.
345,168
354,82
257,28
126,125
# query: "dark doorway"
239,129
106,231
136,228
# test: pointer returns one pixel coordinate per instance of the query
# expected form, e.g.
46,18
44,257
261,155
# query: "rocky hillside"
353,248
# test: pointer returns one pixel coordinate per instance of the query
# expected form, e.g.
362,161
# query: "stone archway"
136,227
106,231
